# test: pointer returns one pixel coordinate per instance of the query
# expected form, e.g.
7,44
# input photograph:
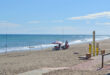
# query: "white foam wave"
88,40
38,47
75,42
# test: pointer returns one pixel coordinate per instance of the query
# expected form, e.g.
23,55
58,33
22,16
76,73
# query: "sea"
21,42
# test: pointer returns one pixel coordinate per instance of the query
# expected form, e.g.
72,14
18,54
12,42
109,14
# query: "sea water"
18,42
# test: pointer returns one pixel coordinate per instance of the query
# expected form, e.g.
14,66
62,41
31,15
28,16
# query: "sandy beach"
55,37
18,62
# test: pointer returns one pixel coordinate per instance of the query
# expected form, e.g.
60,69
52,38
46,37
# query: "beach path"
35,72
88,65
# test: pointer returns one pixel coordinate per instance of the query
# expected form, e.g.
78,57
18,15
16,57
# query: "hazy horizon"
56,34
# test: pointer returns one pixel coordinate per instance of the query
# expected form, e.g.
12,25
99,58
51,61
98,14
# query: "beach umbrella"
57,42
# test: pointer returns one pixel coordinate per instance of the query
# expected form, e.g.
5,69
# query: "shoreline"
19,62
45,48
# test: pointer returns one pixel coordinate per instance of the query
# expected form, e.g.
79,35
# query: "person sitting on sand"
66,46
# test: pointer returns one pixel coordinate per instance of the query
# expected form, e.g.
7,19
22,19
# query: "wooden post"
90,48
97,49
102,60
88,56
102,52
93,43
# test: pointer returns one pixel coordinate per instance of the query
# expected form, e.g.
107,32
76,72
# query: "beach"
54,37
14,63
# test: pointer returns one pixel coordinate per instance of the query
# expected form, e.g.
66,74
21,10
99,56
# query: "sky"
55,16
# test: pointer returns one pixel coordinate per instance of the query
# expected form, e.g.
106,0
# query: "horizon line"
48,34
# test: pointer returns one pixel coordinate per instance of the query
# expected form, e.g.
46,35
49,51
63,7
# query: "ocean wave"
88,40
37,47
44,46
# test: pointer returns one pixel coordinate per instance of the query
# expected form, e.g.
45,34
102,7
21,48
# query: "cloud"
105,23
34,22
7,24
91,16
53,21
57,21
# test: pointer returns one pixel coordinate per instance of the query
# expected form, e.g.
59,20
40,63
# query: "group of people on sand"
65,46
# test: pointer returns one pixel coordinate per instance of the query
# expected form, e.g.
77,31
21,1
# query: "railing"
103,59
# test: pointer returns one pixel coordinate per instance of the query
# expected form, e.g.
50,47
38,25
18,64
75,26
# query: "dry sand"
19,62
